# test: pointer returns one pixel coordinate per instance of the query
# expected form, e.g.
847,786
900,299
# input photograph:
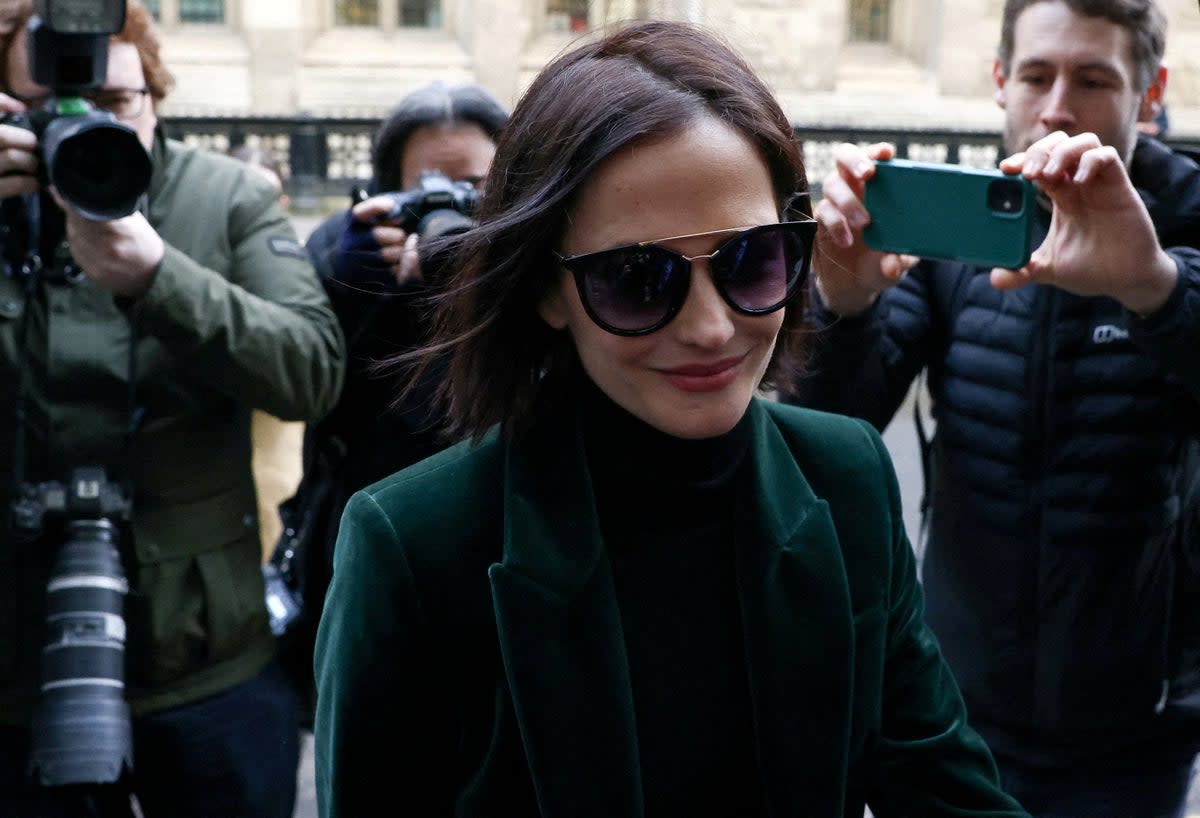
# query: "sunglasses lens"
760,271
633,290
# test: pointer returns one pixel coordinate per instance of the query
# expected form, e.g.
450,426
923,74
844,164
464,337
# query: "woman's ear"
553,306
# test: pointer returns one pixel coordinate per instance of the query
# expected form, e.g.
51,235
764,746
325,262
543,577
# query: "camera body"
81,731
96,162
88,495
434,207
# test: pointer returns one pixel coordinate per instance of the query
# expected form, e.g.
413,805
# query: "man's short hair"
435,104
1145,21
140,31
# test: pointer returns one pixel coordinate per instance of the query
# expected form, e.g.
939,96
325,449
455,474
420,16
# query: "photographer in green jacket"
139,349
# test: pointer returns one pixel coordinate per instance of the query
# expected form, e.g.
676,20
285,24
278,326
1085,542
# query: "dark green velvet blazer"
470,659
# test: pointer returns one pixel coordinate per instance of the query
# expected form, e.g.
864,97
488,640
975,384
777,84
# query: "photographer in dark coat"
430,152
375,281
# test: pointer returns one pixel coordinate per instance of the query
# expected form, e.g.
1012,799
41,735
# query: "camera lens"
1006,196
443,222
81,728
97,164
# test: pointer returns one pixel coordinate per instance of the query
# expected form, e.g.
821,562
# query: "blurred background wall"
894,63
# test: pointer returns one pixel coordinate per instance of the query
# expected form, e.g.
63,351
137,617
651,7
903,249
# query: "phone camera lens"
1005,196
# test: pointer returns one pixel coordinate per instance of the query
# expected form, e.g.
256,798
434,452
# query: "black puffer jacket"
1062,422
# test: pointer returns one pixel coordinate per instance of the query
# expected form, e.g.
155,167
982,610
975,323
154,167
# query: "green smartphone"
973,215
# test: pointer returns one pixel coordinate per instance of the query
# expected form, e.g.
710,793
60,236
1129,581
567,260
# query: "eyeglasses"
639,288
123,103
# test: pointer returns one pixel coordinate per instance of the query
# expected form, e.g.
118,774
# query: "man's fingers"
17,185
388,237
1055,158
1096,162
1010,279
409,267
861,161
841,209
1038,154
391,253
1038,270
895,266
369,210
832,225
14,137
15,160
1014,163
11,106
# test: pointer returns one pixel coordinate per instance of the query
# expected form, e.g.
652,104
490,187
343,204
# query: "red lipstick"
708,377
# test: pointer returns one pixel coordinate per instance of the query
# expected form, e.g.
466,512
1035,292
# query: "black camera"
81,732
97,163
435,207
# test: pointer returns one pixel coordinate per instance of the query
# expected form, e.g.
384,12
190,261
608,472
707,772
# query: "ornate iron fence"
327,157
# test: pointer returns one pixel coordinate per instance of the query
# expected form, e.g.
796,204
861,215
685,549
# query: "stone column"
273,35
495,33
793,45
970,31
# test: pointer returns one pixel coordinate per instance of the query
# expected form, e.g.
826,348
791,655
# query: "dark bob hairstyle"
437,103
504,365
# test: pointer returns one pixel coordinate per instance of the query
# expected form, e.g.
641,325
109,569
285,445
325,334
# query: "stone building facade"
840,62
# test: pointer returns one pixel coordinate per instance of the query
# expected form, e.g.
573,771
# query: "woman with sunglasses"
635,588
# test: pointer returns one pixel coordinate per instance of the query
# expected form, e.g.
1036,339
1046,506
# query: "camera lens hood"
97,164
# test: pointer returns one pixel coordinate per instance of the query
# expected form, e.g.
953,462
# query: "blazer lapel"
799,632
563,648
560,633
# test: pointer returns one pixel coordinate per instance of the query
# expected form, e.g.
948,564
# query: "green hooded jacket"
234,320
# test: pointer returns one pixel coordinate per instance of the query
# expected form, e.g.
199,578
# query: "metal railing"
327,157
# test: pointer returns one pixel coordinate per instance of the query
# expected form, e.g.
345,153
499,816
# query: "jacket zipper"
1041,392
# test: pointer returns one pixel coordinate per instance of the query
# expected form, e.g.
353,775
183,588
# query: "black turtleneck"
666,509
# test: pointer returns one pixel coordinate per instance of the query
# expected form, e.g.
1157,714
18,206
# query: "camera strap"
29,265
32,273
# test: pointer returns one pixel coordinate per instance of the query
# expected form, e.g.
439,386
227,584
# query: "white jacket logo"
1107,333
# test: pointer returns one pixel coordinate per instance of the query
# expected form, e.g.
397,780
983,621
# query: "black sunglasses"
639,288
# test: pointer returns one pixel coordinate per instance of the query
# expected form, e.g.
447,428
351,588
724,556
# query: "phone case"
972,215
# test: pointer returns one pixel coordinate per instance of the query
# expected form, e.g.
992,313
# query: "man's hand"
121,255
1101,239
18,160
397,247
849,275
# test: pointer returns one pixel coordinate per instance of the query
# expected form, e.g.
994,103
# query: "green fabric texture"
233,321
471,628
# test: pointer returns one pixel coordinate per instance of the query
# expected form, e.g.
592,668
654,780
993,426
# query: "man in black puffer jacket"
1066,404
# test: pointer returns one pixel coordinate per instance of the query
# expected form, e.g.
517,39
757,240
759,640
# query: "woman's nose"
705,320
